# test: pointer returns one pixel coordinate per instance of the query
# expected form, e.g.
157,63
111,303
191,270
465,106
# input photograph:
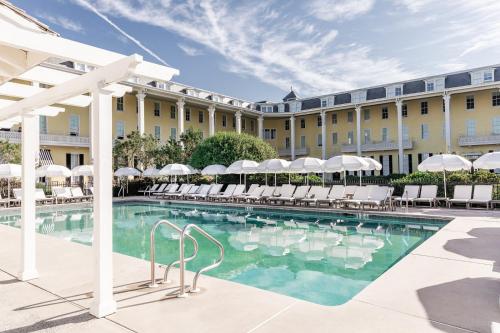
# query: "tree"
170,152
10,152
228,147
190,140
135,150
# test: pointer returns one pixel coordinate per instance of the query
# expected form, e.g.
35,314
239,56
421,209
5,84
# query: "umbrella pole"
266,177
289,178
323,179
215,178
275,180
245,179
240,178
345,179
8,192
444,180
360,177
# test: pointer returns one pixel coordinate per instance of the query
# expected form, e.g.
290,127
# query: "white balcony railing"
492,139
298,152
377,146
49,139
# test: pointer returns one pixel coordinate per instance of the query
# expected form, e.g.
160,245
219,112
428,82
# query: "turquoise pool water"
324,258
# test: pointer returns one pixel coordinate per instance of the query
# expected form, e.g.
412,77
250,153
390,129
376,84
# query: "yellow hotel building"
398,124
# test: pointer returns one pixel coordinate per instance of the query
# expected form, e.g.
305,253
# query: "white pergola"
24,45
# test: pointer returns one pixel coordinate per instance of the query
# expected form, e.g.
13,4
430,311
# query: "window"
424,107
252,125
270,133
385,134
366,114
234,121
119,104
320,122
443,106
302,123
350,137
334,118
488,76
385,113
367,136
172,111
187,114
319,140
302,141
323,103
74,125
243,124
406,136
287,124
471,127
404,110
287,143
173,133
335,138
496,125
495,98
158,132
350,117
120,130
201,117
43,125
157,109
430,86
424,131
469,102
398,91
266,108
224,120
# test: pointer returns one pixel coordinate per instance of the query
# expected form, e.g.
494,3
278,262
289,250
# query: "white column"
323,135
447,125
399,111
211,120
260,126
358,129
91,135
292,138
30,133
103,303
180,118
238,122
140,112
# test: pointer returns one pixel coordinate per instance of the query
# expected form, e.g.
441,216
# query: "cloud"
62,22
413,6
332,10
190,51
266,40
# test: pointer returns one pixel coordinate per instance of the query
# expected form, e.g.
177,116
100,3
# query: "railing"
298,151
49,139
492,139
377,146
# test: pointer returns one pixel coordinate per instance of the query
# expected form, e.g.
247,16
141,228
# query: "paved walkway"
451,283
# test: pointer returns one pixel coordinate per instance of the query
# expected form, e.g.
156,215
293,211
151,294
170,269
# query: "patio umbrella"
10,171
83,171
488,161
343,163
126,172
53,170
214,170
242,167
307,165
372,165
443,163
151,173
274,165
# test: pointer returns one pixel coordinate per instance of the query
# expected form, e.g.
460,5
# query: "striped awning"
45,157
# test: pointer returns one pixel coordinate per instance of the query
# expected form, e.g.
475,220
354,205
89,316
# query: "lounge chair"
483,195
250,189
349,191
228,192
410,193
4,201
77,194
179,194
163,187
173,188
149,189
461,195
213,190
299,194
193,190
286,192
203,190
238,192
313,194
336,194
361,194
62,194
40,197
428,195
256,194
378,197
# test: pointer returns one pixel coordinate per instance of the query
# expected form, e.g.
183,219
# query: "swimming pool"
321,257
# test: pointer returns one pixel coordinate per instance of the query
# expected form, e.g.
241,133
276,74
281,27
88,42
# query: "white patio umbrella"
53,170
372,165
274,165
151,172
175,169
307,165
343,163
10,171
126,172
83,171
243,167
488,161
443,163
214,170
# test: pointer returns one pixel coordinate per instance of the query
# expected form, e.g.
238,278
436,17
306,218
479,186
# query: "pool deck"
451,283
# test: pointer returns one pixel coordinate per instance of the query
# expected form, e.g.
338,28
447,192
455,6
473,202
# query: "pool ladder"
183,234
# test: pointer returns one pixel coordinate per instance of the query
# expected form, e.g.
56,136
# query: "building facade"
399,124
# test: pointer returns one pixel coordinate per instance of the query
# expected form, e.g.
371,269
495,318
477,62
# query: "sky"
257,50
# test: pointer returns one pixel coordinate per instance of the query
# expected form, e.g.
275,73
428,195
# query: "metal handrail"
185,231
152,283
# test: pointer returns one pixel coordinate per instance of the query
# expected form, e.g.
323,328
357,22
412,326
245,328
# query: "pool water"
325,258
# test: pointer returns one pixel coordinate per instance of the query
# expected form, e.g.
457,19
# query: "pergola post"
103,303
29,148
238,122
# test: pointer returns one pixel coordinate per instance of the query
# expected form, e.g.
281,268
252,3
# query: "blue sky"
257,49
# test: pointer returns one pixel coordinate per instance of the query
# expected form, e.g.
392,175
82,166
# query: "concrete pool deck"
451,283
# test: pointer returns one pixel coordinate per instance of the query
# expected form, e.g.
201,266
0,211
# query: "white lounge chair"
361,194
313,194
40,197
238,192
149,189
193,190
349,191
77,194
483,195
410,193
428,195
256,194
298,194
228,192
163,187
203,190
461,195
213,190
181,193
173,188
336,194
378,197
250,189
286,192
62,194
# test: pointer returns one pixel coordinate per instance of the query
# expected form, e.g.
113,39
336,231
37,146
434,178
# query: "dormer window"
429,86
324,103
216,98
266,108
398,91
488,76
